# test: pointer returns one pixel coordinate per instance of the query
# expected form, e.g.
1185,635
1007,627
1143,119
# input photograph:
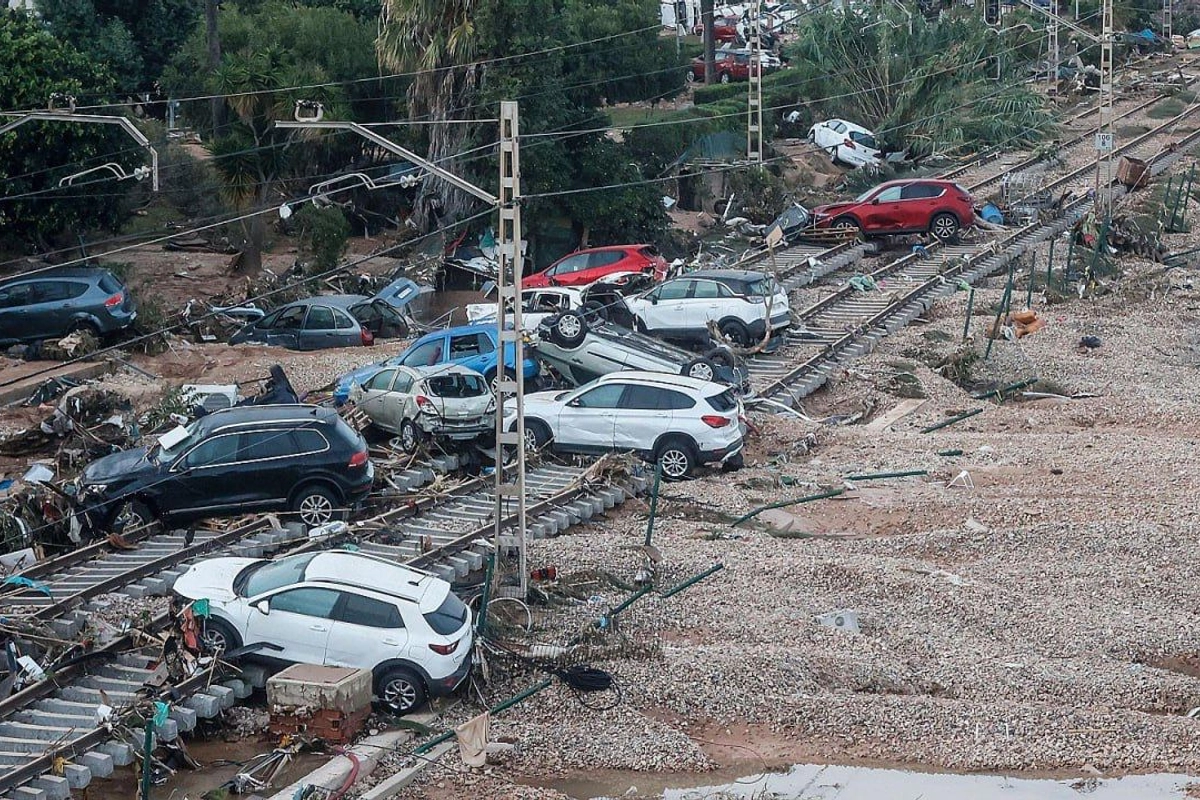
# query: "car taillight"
849,143
115,300
444,649
357,460
368,338
714,421
425,404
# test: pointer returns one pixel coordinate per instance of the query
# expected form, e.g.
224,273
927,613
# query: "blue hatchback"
472,346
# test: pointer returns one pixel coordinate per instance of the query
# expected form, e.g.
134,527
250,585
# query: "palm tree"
434,37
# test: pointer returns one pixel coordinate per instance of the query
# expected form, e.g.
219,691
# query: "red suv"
584,267
728,65
909,206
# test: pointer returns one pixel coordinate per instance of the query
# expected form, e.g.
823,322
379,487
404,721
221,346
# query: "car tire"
846,223
594,311
724,77
315,505
700,368
944,226
569,329
722,356
491,378
736,332
131,516
734,463
537,435
411,437
83,326
690,76
401,690
219,636
677,458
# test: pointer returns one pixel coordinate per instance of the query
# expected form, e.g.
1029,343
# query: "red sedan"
585,267
908,206
725,29
729,65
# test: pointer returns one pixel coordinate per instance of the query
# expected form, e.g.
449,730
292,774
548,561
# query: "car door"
705,305
366,631
564,272
587,421
298,622
640,419
15,301
375,400
286,328
665,309
474,351
207,479
319,330
883,211
598,265
347,332
917,202
267,460
429,353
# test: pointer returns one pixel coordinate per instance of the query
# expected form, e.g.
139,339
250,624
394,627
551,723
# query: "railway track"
850,323
52,742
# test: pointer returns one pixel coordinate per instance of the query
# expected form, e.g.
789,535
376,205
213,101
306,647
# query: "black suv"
53,303
295,458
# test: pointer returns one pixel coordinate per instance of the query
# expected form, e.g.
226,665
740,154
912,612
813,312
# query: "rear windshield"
764,287
456,386
449,617
649,251
268,575
723,402
109,283
865,139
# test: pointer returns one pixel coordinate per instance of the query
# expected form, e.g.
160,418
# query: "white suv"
341,609
741,303
675,420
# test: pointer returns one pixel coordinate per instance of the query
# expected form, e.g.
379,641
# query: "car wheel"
219,637
493,380
833,154
736,332
944,226
83,326
846,224
401,690
132,516
734,463
569,329
537,435
315,505
594,311
701,369
676,457
411,437
691,76
724,77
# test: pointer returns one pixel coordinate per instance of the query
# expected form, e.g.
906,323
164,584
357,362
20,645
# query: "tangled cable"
581,679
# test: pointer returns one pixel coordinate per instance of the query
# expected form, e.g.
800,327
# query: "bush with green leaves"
324,235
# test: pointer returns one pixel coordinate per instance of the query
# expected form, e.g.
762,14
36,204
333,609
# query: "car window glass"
672,400
310,602
52,291
640,397
341,321
309,441
259,445
674,290
838,126
865,139
572,264
269,320
465,346
403,383
724,291
424,355
382,380
15,296
319,318
270,575
370,612
485,343
888,195
704,290
607,396
109,283
290,317
456,386
213,452
604,259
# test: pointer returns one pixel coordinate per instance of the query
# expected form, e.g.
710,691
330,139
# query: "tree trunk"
216,104
710,42
440,203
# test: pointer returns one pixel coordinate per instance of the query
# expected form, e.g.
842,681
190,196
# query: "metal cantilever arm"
64,116
387,144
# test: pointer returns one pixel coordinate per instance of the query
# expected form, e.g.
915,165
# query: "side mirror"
653,299
875,202
573,403
263,607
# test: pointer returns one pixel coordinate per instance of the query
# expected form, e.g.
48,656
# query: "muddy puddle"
813,782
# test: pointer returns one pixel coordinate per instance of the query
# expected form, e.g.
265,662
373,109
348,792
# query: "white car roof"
378,575
851,126
662,379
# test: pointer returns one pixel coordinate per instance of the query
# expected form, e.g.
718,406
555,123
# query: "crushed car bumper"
439,687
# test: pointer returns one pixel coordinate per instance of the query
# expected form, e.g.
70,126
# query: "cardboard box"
1133,172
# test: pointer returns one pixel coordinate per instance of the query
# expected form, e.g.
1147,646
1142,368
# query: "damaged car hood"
212,579
118,467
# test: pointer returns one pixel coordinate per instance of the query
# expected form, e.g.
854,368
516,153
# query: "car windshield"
265,576
865,195
449,617
165,455
456,386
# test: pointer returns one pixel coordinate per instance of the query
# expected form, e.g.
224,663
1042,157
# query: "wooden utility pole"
216,104
710,44
754,120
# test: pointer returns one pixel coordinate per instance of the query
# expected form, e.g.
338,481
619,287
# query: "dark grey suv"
56,302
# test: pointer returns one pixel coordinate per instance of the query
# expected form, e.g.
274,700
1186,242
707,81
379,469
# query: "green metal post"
999,393
1162,211
1070,261
626,603
496,709
653,503
146,758
875,476
485,597
784,503
1032,273
952,420
676,589
1049,263
949,453
970,306
1003,309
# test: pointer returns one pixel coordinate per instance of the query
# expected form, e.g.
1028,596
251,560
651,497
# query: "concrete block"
337,688
241,689
223,694
135,591
168,731
185,718
28,793
120,752
77,775
205,705
156,586
101,764
256,675
56,788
